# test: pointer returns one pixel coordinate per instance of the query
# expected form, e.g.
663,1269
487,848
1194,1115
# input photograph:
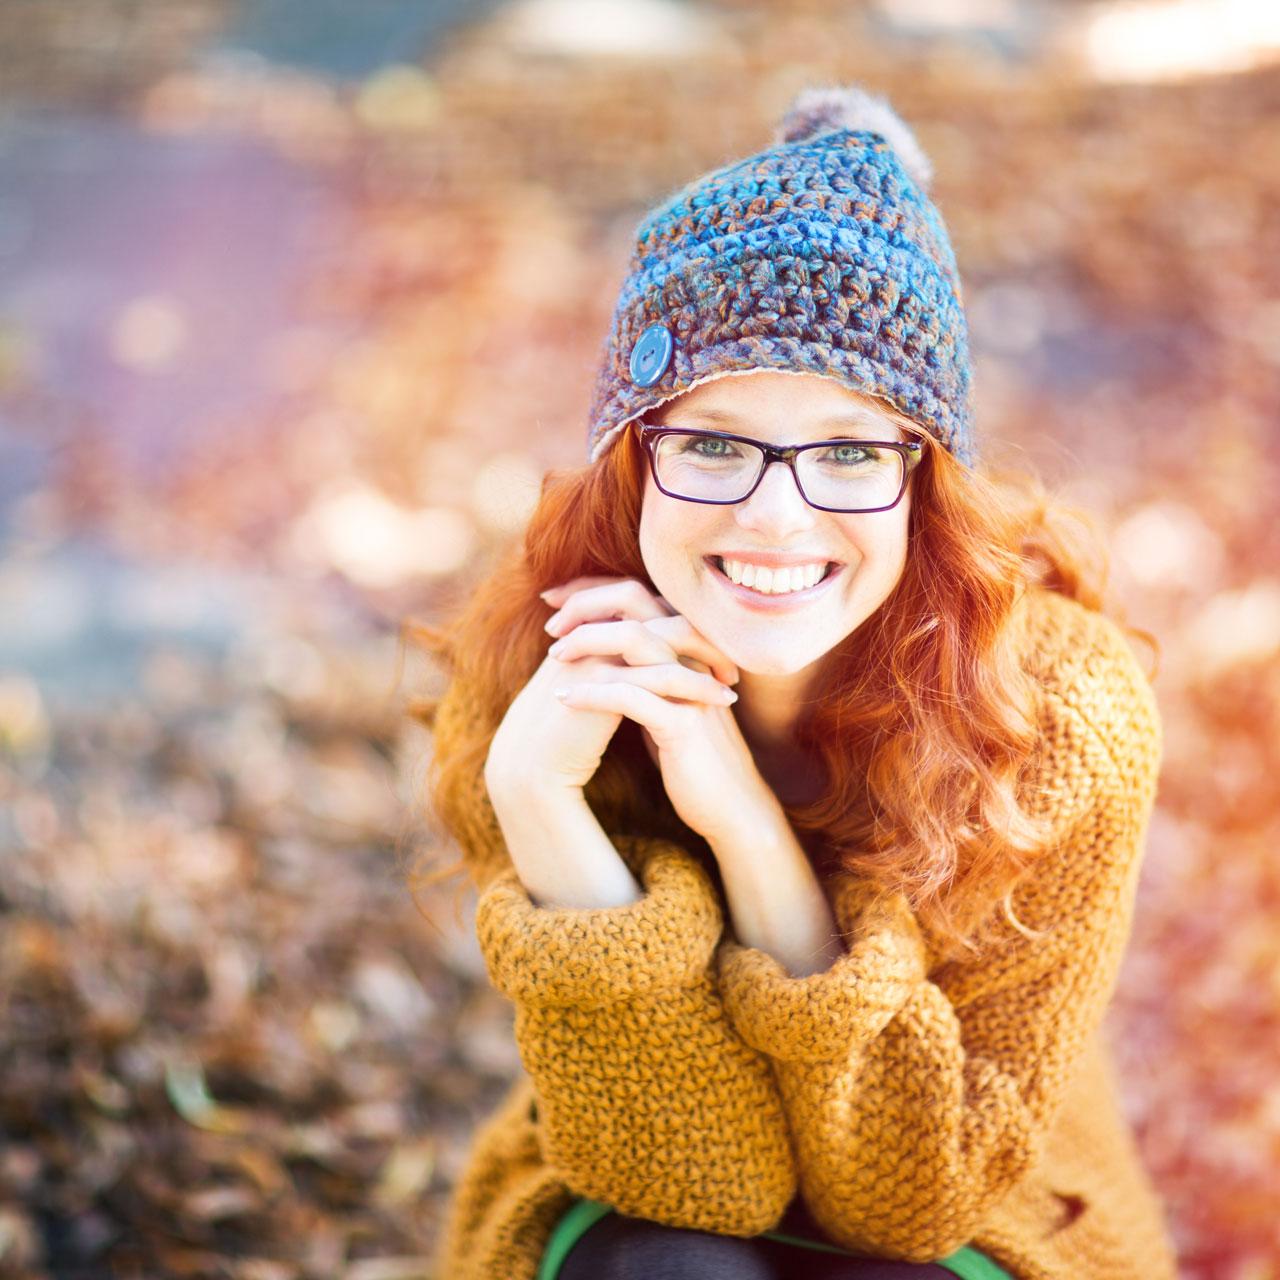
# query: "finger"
632,599
625,598
606,596
669,681
689,642
647,709
629,640
658,640
557,595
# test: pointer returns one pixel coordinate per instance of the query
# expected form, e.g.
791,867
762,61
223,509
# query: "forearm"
561,853
775,901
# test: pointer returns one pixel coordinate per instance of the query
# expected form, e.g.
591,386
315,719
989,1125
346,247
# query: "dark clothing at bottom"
621,1248
594,1242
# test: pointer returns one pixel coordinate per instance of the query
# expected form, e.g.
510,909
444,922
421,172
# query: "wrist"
561,854
525,791
775,899
754,818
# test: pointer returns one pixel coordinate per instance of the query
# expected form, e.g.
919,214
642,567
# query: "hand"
545,742
622,650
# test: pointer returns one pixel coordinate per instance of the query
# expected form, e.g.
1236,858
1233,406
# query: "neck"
769,706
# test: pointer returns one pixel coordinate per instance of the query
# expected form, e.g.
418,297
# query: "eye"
850,454
707,447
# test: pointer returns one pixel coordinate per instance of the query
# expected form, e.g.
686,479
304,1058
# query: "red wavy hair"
929,725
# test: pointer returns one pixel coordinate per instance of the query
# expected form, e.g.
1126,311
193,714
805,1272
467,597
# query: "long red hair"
928,724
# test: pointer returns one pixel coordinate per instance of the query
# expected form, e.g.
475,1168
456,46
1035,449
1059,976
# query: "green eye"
850,454
709,448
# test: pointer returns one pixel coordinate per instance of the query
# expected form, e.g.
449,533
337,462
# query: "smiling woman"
856,558
806,849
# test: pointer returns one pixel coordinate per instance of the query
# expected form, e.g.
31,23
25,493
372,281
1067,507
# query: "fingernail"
556,648
732,697
552,625
542,595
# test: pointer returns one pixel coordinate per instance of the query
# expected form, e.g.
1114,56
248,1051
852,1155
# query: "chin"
769,661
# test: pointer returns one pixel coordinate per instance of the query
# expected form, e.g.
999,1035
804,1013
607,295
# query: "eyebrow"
851,418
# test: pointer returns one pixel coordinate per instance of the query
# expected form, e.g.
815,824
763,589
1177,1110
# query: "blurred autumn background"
298,301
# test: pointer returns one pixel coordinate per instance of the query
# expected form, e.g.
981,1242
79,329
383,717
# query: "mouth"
775,588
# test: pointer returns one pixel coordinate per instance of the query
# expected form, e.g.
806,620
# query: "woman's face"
684,544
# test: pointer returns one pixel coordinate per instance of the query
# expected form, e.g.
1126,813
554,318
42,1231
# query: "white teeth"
774,582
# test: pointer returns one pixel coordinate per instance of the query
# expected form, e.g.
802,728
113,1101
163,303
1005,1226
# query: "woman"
806,827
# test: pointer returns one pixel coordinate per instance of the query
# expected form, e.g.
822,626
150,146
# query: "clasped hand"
623,652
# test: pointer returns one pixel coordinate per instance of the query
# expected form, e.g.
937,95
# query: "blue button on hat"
651,355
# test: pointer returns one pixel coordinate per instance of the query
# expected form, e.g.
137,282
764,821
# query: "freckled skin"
782,648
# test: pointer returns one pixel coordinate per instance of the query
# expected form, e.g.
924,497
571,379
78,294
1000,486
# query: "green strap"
579,1219
967,1263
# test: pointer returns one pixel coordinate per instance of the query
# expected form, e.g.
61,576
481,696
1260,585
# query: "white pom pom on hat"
818,110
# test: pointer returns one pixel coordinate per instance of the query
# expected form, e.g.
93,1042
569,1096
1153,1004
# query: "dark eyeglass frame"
912,452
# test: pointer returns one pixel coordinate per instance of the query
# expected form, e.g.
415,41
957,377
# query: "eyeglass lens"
849,475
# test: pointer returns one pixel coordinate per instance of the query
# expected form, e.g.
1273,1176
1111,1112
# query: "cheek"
670,534
657,541
895,550
878,544
651,534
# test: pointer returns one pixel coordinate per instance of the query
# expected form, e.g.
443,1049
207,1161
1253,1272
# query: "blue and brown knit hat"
822,254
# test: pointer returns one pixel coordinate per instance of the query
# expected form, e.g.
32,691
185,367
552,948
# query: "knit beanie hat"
822,254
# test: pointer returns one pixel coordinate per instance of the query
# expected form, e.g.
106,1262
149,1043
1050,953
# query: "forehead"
772,403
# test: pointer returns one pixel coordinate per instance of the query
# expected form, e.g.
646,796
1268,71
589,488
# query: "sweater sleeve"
917,1102
647,1097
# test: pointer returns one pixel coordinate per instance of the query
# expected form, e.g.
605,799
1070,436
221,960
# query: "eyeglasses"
832,475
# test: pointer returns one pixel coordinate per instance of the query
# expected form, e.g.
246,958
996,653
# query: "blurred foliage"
232,1045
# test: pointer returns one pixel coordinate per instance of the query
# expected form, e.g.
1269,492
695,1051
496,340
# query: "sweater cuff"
820,1017
591,957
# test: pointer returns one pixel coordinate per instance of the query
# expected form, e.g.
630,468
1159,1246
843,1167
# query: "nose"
776,509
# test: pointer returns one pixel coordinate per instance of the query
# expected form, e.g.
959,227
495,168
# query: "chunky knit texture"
822,254
915,1105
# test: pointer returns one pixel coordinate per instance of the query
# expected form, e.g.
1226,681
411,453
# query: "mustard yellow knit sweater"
915,1106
